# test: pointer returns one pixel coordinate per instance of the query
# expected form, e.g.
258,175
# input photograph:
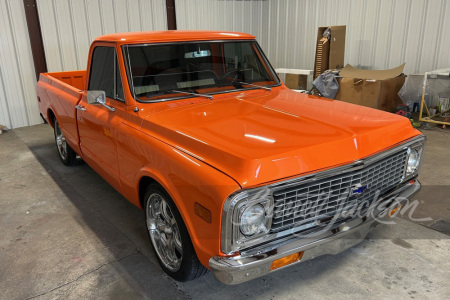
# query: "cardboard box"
373,88
330,55
296,81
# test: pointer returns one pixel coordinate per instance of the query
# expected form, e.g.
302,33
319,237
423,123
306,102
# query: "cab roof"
172,35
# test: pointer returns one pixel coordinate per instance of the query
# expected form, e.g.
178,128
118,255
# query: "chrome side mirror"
94,97
98,97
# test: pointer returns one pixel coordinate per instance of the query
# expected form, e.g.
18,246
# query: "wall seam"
30,59
10,125
88,23
15,47
114,14
74,35
439,40
128,14
140,16
102,26
55,18
406,32
422,33
376,33
363,27
286,35
296,39
389,47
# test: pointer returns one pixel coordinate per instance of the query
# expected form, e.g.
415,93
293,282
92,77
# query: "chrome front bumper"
257,262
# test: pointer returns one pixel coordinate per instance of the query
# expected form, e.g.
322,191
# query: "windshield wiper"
251,84
192,94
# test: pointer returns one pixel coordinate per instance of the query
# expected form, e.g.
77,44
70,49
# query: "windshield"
158,71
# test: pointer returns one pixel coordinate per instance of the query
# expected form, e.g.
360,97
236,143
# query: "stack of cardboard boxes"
373,88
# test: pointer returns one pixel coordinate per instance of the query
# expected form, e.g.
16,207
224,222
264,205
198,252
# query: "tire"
169,237
66,154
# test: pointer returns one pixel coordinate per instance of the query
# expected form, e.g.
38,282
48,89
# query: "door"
98,125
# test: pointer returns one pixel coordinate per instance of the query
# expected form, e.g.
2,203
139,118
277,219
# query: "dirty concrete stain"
425,279
402,243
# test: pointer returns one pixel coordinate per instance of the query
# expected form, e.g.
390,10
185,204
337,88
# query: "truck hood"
258,136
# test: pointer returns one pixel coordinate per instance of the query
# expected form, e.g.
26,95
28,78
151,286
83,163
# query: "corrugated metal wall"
18,104
68,27
380,33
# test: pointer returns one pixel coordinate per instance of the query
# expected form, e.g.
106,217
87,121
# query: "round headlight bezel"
247,217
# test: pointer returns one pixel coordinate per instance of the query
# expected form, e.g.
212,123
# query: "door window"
105,75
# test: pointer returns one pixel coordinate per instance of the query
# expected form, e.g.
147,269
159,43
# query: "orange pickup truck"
236,173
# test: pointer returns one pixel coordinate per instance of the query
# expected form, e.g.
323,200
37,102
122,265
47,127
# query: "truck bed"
74,79
58,94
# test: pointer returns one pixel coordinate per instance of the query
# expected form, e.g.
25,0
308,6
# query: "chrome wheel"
61,143
164,232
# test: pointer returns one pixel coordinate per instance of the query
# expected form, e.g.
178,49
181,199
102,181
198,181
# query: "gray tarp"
327,84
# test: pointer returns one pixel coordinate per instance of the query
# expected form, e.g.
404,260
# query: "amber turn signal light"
284,261
202,212
394,210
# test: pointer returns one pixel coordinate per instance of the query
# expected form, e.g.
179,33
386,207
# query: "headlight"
414,156
247,219
253,220
413,161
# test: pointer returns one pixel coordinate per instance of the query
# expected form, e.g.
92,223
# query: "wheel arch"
51,117
148,177
144,182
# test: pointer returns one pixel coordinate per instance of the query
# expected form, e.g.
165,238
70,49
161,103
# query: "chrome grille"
322,199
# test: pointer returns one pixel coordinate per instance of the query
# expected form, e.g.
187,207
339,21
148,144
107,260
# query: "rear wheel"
169,236
66,154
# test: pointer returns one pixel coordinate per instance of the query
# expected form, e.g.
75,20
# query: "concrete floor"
66,234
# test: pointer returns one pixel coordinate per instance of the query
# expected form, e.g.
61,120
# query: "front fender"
186,179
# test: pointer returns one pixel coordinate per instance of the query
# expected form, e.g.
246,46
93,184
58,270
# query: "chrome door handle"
80,107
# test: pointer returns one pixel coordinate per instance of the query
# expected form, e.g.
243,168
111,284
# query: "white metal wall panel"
18,103
443,57
81,32
68,27
432,34
398,39
380,33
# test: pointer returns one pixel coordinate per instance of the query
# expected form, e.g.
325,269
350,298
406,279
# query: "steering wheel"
232,75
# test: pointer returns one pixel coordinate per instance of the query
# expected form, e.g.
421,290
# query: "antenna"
132,82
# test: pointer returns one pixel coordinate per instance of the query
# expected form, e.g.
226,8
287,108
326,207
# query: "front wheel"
66,154
169,236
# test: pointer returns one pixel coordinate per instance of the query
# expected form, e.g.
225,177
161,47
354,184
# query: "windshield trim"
125,47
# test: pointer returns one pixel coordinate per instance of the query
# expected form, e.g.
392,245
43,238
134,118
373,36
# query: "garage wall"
380,33
68,27
18,104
